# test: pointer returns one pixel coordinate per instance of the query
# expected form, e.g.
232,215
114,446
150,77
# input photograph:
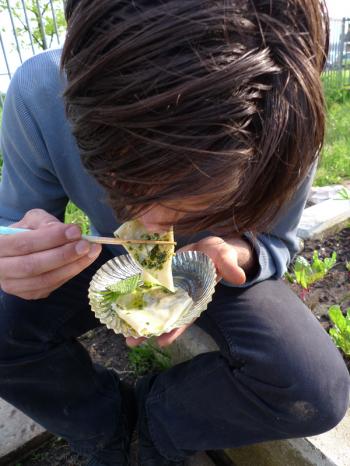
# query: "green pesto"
156,259
137,301
151,237
137,295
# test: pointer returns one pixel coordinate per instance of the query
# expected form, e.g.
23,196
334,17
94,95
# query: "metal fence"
27,27
30,26
337,72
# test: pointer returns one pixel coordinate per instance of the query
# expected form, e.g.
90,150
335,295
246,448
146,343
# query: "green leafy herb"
120,288
340,334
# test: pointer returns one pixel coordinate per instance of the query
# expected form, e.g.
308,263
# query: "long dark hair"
173,99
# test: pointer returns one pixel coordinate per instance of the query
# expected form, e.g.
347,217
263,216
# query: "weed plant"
149,357
340,333
306,273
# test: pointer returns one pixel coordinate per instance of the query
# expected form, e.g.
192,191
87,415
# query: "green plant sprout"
148,357
306,273
344,194
340,334
347,265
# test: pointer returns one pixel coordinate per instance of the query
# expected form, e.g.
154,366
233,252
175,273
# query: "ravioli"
152,311
154,305
154,259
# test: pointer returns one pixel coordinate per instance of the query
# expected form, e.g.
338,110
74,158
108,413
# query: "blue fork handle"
12,231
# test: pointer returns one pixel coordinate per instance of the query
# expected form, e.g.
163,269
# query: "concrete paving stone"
293,452
322,217
16,429
200,459
335,444
323,193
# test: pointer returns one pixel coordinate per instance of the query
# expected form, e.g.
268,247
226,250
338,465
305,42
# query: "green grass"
75,215
335,162
336,80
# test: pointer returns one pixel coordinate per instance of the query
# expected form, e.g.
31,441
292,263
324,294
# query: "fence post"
28,26
342,41
14,31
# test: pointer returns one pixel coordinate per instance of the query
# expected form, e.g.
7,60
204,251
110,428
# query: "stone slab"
16,429
200,459
329,449
323,193
293,452
323,216
335,443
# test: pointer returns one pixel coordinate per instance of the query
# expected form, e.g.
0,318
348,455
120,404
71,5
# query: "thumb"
132,342
229,269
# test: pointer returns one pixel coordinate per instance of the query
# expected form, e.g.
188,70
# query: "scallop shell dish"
151,290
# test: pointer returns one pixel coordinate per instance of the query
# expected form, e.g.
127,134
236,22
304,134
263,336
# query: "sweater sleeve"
277,248
28,180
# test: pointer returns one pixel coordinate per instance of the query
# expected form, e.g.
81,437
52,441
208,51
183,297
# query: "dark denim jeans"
277,374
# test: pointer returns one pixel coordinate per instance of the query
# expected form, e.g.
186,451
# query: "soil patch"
335,287
109,349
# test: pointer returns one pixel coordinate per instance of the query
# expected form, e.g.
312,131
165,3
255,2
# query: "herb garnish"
120,288
128,286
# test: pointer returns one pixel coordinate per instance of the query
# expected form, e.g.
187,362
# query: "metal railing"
30,26
336,75
27,28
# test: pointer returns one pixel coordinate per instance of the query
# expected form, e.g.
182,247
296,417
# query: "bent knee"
318,408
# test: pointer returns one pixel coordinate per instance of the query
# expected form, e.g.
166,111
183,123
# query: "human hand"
35,263
231,256
227,255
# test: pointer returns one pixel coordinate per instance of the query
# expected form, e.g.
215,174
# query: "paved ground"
16,429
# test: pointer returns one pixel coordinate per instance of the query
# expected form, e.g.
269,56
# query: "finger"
188,247
50,280
36,218
34,295
132,342
38,263
228,268
224,257
39,294
208,243
168,338
45,238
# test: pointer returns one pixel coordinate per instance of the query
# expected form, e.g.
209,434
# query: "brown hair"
170,99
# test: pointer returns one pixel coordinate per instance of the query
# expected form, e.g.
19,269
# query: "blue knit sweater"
42,167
